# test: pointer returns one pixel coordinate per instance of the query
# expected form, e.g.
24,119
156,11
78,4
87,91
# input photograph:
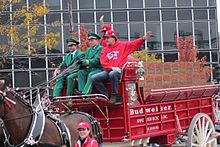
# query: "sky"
218,11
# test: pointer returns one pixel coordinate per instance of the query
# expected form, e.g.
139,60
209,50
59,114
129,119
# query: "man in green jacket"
91,64
72,57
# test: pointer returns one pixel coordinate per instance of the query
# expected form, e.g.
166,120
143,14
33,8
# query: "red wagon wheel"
200,132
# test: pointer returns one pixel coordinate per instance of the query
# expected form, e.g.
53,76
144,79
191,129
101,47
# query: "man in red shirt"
112,58
104,29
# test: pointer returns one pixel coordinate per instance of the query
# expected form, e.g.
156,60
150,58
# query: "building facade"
130,19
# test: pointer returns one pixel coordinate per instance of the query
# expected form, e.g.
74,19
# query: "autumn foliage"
187,50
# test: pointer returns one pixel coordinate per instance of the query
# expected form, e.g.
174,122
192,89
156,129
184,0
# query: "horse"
17,119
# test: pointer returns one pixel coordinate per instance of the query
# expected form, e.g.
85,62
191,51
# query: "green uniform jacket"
68,60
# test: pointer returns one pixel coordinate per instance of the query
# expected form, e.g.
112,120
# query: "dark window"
18,6
168,15
170,57
86,4
184,3
66,18
201,35
215,56
38,77
136,16
214,35
101,4
200,14
184,14
22,79
65,4
135,3
87,17
152,3
212,2
53,17
185,29
5,19
119,4
53,4
169,33
155,42
119,16
122,31
168,3
107,16
38,62
202,54
199,2
137,31
212,14
152,16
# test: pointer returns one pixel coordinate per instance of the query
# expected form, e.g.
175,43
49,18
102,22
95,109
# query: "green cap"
93,35
72,41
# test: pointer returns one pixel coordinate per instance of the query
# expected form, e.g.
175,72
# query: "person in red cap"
104,29
112,58
85,139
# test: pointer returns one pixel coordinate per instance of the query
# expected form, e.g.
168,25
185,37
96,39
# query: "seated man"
104,29
91,65
72,57
112,58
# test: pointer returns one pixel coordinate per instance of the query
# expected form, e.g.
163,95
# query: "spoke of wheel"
206,127
197,139
210,141
200,129
203,125
193,144
197,132
208,135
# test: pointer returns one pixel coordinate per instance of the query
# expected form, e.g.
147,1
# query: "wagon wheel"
200,132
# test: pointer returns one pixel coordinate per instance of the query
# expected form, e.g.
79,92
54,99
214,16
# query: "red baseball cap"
83,125
110,33
106,27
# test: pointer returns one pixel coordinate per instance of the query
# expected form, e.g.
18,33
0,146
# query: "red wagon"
156,118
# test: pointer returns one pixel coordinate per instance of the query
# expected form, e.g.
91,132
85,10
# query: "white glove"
116,69
56,72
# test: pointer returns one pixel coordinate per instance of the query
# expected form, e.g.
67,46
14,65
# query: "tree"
20,29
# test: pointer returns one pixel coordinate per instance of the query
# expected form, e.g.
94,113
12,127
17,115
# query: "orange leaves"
186,48
39,10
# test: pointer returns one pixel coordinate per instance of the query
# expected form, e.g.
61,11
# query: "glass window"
122,31
214,35
66,18
107,16
152,16
212,2
215,56
168,3
136,15
200,14
86,4
65,4
201,34
4,19
53,4
87,17
185,29
17,6
200,3
212,14
6,64
38,77
102,4
155,42
170,57
135,3
169,15
119,16
52,17
136,30
21,63
55,30
184,14
22,79
7,76
119,4
152,3
169,33
202,54
183,3
38,62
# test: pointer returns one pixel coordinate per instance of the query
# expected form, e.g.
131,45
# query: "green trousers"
84,80
70,81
